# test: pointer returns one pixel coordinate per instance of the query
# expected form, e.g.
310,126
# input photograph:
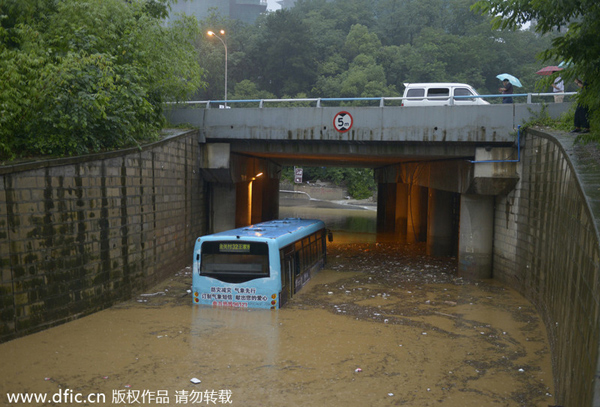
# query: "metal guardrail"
223,104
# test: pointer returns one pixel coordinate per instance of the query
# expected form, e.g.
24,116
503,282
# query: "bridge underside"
354,154
439,193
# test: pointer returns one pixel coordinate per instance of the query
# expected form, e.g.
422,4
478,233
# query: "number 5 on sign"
342,122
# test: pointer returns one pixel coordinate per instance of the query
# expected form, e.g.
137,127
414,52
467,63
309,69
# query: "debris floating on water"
152,294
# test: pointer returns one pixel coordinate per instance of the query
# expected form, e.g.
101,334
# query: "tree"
360,182
248,90
286,58
360,41
313,49
79,76
578,46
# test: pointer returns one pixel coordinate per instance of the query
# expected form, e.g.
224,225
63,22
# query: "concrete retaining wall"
317,191
78,235
546,246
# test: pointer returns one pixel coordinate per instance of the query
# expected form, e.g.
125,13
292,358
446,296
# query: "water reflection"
347,225
247,333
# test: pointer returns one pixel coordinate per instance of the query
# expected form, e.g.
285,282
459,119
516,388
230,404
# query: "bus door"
287,274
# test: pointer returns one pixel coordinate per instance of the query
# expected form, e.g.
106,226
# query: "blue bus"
258,266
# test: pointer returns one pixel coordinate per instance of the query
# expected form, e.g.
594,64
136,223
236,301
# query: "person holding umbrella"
506,89
507,86
558,87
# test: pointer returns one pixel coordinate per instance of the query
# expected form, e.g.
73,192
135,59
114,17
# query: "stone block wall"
546,246
78,235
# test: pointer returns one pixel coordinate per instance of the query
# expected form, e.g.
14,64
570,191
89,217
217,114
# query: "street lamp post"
212,34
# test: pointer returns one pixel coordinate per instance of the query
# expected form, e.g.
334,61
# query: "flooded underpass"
382,325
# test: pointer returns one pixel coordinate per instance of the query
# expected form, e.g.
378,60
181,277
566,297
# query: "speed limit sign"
342,122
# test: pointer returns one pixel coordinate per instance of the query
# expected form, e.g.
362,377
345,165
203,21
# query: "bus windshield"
234,261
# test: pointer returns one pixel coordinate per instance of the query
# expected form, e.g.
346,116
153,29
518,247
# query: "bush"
81,76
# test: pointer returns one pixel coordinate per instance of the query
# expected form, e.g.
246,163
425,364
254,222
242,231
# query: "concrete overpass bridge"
438,168
80,234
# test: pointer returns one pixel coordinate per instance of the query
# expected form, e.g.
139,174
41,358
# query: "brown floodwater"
382,325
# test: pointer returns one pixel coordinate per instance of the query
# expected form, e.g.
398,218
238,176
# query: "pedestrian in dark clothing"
582,125
507,89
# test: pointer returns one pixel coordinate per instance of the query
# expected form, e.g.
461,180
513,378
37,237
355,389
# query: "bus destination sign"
234,247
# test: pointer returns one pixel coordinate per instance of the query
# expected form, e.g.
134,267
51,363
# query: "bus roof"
272,229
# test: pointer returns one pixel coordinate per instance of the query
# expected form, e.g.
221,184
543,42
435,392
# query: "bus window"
234,262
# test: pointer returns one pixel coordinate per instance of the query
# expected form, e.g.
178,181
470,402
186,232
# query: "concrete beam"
424,124
430,124
242,189
220,165
494,171
476,236
460,176
215,162
451,176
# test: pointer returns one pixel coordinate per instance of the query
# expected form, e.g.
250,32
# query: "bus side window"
319,247
298,257
298,264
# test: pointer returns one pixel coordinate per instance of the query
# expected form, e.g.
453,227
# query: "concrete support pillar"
265,199
440,231
257,195
391,210
243,204
401,215
386,202
417,214
476,236
222,207
243,190
270,204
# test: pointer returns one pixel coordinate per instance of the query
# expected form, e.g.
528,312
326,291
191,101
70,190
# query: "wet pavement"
382,325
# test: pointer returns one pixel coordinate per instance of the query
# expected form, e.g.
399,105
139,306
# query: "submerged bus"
258,266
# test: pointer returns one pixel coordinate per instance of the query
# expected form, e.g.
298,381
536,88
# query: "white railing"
319,101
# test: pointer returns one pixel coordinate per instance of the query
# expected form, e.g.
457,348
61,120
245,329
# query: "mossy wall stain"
82,235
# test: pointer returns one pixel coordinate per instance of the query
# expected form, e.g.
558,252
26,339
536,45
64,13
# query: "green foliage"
359,182
543,119
360,41
285,63
360,48
80,76
578,46
248,90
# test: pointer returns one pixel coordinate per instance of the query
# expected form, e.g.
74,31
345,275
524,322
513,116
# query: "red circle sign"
343,122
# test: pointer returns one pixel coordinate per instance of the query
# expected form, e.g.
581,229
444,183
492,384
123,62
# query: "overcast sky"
272,5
